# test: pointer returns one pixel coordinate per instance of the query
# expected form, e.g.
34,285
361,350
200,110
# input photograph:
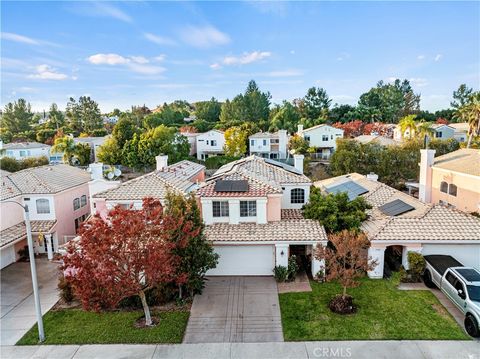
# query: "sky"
134,53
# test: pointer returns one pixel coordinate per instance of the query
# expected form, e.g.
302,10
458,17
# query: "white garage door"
467,254
244,260
7,256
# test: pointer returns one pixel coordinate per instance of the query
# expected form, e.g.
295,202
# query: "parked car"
460,284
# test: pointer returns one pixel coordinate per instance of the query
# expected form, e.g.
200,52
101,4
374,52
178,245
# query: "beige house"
452,179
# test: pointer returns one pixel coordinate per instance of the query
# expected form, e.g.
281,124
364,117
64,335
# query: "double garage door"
244,260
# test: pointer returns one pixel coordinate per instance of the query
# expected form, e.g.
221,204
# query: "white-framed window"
220,208
438,135
213,143
9,153
252,142
248,208
83,201
324,137
307,138
43,206
264,142
275,140
76,204
297,195
23,153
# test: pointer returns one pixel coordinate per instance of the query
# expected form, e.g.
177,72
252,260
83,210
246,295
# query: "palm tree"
470,113
408,124
65,145
424,129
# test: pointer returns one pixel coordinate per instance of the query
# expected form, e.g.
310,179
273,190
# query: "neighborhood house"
322,137
269,145
210,144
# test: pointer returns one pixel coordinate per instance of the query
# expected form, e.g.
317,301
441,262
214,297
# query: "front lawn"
75,326
384,312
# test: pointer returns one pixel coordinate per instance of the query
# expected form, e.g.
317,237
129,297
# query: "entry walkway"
297,350
16,297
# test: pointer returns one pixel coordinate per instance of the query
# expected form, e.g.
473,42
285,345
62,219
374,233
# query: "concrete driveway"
16,297
236,309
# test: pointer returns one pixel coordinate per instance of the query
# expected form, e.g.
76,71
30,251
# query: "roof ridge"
244,173
124,183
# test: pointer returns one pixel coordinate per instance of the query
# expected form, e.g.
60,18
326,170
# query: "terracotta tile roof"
288,214
465,160
302,230
156,184
43,180
381,140
423,223
19,231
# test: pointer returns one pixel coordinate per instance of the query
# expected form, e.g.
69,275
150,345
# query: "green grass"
74,326
384,312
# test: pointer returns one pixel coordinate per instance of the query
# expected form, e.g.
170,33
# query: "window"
438,134
264,142
76,204
452,190
274,140
83,201
23,153
43,206
451,279
297,195
252,142
9,153
213,142
444,187
220,208
307,138
331,137
208,142
248,208
324,137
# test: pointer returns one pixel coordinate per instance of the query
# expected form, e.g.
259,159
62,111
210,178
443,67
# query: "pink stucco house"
58,201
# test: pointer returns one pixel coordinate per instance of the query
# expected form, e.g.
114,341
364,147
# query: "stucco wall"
286,203
468,190
10,213
274,207
316,136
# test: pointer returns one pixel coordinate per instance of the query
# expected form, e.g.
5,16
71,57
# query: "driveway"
16,297
236,309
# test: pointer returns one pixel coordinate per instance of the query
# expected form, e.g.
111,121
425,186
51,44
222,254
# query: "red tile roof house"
400,221
253,228
252,211
58,201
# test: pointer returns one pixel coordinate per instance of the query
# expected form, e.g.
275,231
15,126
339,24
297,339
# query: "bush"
66,291
292,268
159,295
213,163
416,264
280,273
342,304
99,132
10,164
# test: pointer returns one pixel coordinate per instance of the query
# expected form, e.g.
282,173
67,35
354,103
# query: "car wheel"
427,279
471,326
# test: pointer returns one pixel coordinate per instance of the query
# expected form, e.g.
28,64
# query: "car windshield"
474,292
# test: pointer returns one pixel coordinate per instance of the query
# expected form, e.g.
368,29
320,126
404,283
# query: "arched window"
444,187
43,206
452,190
297,195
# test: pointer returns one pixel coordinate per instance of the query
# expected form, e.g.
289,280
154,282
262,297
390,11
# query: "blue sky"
131,53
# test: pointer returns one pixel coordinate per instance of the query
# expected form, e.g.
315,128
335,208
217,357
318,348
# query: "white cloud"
10,36
159,40
45,72
160,58
418,81
108,10
215,66
107,59
204,36
246,58
438,57
134,63
343,56
420,57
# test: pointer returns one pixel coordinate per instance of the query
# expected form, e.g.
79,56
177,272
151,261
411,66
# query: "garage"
244,260
7,256
467,254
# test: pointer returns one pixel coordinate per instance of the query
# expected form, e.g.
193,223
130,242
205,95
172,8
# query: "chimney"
372,177
298,162
162,162
427,158
299,130
282,144
96,170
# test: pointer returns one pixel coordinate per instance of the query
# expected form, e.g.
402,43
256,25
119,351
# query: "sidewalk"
298,350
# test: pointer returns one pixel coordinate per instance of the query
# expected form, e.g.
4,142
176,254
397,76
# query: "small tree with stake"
125,255
346,261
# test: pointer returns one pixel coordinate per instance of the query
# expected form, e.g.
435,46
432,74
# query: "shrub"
292,268
23,253
66,291
12,165
280,273
416,263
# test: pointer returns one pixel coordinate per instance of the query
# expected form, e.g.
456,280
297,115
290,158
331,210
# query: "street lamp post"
33,269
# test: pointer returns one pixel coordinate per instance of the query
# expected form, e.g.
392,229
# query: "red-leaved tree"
128,253
346,261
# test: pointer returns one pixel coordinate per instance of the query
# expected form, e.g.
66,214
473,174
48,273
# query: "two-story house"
442,132
452,179
24,150
322,137
182,177
251,208
269,145
58,201
209,144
